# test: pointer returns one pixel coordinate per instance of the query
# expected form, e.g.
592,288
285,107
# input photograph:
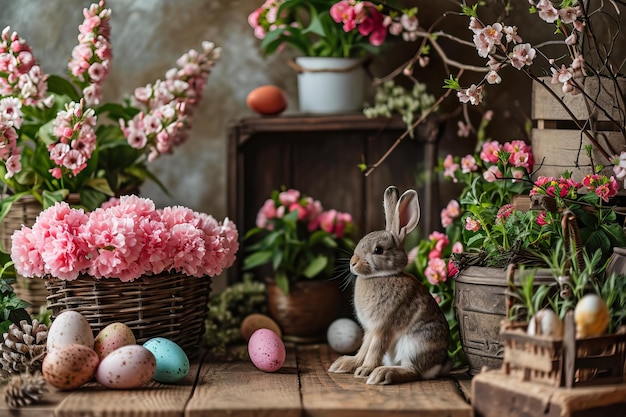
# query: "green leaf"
257,259
282,281
59,85
316,266
50,198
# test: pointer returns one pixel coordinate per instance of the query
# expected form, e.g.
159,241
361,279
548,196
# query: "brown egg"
267,100
69,366
253,322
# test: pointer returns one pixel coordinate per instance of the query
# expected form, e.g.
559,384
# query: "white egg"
69,328
344,335
545,323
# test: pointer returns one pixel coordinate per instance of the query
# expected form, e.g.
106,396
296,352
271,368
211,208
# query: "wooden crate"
319,155
558,144
496,394
566,362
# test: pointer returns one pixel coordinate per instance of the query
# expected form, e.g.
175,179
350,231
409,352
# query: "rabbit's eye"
378,250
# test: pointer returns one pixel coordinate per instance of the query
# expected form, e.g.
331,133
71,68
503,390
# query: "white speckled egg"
112,337
545,323
266,350
68,328
172,363
69,366
127,367
344,335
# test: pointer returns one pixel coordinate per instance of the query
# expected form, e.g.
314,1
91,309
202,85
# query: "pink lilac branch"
168,105
91,58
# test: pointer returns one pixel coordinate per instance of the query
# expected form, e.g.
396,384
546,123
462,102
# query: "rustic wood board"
545,106
337,395
560,148
495,394
153,399
238,389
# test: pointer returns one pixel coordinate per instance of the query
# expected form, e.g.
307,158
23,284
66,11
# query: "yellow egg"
591,316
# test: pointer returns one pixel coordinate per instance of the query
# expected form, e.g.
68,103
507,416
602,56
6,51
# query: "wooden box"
319,155
495,394
566,362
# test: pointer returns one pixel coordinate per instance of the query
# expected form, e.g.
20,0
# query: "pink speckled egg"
69,366
266,350
127,367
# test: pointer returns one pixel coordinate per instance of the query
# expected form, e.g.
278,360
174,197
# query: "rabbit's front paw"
363,371
344,365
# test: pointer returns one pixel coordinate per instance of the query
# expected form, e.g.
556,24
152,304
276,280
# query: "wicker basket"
24,212
172,306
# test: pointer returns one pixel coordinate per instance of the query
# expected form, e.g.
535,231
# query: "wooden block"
495,394
238,389
341,395
545,106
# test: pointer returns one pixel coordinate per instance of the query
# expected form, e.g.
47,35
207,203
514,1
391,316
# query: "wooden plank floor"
302,387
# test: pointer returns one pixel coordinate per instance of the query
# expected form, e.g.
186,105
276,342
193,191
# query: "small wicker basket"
173,306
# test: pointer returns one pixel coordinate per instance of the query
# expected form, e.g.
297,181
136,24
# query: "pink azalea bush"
298,237
329,28
125,239
57,136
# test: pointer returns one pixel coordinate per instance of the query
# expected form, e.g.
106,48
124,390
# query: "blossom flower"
436,271
522,55
91,58
450,166
472,224
492,174
490,152
450,212
124,239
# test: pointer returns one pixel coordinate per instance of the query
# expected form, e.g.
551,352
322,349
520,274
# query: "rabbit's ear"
390,202
407,214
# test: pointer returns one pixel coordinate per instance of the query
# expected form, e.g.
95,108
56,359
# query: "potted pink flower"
298,238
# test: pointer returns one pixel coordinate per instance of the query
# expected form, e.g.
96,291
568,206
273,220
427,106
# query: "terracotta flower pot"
306,312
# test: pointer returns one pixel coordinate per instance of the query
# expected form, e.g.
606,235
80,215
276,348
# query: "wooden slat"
154,399
496,394
545,106
238,389
339,395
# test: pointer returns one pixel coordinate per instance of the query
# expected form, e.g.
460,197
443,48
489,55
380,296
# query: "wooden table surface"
301,388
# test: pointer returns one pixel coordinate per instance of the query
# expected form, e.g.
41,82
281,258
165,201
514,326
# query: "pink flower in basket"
124,239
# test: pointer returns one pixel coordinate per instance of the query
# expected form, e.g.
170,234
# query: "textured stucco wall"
148,36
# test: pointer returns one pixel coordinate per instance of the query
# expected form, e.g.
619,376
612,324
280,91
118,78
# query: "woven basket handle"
573,243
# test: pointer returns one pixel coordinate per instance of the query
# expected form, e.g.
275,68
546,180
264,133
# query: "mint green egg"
172,364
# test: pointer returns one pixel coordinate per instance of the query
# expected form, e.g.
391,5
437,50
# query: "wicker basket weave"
172,306
24,212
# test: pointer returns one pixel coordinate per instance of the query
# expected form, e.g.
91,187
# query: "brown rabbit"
406,335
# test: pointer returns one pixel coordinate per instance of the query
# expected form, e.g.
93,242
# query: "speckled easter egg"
69,366
254,322
344,335
172,364
127,367
68,328
266,350
112,337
